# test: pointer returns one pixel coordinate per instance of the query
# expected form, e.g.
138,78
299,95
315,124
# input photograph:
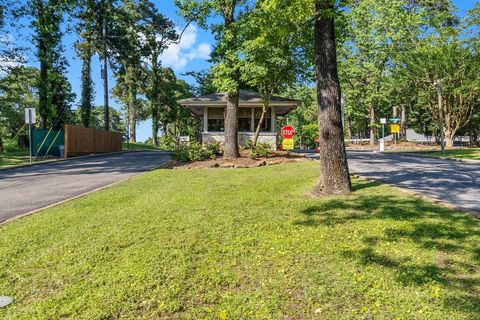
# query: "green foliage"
167,142
194,151
213,149
248,144
18,90
261,150
310,135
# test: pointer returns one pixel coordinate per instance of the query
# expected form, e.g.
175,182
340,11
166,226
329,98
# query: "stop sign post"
287,133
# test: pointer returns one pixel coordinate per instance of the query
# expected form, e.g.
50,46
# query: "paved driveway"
29,188
456,183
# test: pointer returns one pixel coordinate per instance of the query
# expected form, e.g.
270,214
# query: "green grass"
139,146
13,158
473,154
241,244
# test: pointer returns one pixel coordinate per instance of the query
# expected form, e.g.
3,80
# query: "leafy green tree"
159,32
227,68
18,90
86,12
270,62
97,119
47,17
334,174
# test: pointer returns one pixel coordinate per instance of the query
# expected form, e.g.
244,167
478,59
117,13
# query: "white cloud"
177,56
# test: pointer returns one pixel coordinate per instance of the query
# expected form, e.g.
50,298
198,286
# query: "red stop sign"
287,132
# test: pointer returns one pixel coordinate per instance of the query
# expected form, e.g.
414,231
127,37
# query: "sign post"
287,133
30,119
383,122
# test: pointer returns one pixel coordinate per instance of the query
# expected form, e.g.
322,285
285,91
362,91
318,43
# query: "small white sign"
383,120
30,116
184,139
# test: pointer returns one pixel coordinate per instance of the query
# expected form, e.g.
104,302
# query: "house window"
267,120
244,119
216,120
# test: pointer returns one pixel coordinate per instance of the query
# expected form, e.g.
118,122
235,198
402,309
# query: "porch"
211,111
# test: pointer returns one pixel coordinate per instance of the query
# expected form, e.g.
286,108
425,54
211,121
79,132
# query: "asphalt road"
29,188
455,183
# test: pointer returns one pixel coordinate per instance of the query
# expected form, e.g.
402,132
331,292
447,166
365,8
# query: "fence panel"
79,140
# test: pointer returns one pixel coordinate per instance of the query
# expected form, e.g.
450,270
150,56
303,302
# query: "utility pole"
105,76
440,114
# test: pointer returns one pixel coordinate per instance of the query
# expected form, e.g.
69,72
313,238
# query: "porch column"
274,118
252,123
205,119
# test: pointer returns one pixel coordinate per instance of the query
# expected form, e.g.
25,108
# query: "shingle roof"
246,97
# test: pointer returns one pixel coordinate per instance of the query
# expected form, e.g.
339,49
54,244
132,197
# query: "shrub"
213,149
261,150
248,144
167,142
10,146
194,152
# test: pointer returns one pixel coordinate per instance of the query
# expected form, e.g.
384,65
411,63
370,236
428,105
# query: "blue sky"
190,54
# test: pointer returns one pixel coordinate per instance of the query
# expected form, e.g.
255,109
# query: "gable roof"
246,98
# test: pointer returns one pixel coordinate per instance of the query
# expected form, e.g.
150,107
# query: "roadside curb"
421,196
417,155
74,158
23,215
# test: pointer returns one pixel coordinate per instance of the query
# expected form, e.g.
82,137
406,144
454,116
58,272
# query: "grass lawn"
472,153
241,244
139,146
13,158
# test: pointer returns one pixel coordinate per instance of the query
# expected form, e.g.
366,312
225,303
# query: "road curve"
29,188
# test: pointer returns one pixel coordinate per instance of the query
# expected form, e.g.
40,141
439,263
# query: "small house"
211,111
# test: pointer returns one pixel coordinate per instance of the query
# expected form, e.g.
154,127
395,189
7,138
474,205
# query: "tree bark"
155,128
372,126
87,88
133,126
259,125
43,57
230,148
403,122
334,173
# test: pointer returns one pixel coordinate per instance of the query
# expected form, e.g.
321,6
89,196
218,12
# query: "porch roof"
246,99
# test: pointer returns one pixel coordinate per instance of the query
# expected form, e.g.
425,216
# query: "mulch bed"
245,161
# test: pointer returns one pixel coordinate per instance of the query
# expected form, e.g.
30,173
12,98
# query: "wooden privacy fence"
79,140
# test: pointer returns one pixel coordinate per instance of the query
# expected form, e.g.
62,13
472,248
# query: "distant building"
413,136
211,111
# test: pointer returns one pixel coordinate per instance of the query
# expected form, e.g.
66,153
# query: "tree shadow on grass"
454,236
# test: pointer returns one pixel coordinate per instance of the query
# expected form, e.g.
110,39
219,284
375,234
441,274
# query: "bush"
213,148
261,150
248,144
167,142
194,152
10,146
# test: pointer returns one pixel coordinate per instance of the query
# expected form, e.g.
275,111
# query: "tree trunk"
42,55
372,126
155,128
350,128
259,126
87,88
230,148
133,126
449,137
334,174
403,123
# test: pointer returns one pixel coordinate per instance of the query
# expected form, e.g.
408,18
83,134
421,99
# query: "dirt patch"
245,161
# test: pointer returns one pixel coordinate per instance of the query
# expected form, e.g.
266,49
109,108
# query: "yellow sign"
287,144
395,128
